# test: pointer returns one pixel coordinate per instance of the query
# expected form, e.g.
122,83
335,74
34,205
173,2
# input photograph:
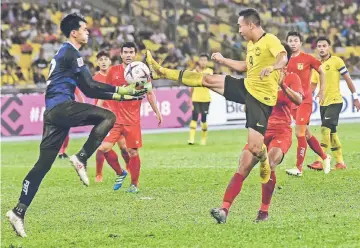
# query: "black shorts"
257,113
201,107
330,114
59,120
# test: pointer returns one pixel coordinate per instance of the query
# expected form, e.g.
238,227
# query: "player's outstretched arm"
239,66
94,89
351,86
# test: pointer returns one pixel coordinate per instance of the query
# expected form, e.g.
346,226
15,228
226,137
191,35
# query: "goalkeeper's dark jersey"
62,79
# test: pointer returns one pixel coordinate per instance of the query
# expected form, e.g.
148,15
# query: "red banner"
23,114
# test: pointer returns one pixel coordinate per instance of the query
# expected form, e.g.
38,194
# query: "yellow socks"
336,148
188,78
325,140
265,170
193,125
204,133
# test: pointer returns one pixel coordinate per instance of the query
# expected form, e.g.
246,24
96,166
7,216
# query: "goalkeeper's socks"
20,210
82,156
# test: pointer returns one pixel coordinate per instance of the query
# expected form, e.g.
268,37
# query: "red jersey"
302,65
102,79
280,117
127,112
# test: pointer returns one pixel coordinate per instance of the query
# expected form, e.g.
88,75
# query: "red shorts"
281,138
131,133
302,114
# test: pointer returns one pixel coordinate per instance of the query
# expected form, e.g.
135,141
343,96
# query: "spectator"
38,78
40,63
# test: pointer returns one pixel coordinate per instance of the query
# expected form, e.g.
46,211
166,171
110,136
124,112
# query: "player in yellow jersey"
331,107
265,57
201,98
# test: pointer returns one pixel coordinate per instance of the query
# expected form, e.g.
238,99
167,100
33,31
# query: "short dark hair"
288,50
71,22
323,38
251,15
102,53
294,33
128,44
204,55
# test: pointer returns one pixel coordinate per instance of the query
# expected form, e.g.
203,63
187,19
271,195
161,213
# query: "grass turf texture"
179,185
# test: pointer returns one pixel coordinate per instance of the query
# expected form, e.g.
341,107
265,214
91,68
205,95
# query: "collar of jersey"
326,59
72,45
261,37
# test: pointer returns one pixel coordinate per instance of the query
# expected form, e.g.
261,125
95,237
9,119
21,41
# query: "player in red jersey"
127,123
104,63
278,138
302,64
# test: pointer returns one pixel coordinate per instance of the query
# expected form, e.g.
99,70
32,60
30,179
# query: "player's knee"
133,152
333,129
195,116
308,134
300,131
110,117
255,149
105,147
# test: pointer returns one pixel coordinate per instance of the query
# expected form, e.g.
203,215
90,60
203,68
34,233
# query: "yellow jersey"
202,94
259,55
333,68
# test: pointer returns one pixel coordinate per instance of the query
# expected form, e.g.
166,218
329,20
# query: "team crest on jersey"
327,67
300,66
257,51
80,62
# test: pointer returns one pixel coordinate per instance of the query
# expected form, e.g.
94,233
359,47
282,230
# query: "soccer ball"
137,73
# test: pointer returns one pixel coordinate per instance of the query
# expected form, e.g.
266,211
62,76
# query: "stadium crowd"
30,35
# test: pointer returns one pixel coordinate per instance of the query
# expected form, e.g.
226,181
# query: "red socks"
64,145
112,159
125,156
267,190
232,190
100,157
134,168
301,151
315,146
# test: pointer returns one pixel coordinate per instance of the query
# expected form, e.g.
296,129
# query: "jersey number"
52,67
251,60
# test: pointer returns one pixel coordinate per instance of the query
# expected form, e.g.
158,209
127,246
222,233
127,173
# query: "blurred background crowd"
176,31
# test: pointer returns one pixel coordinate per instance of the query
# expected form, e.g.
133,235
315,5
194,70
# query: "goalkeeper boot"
17,223
80,169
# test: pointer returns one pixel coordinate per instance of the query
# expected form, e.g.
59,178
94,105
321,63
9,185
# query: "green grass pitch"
179,185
